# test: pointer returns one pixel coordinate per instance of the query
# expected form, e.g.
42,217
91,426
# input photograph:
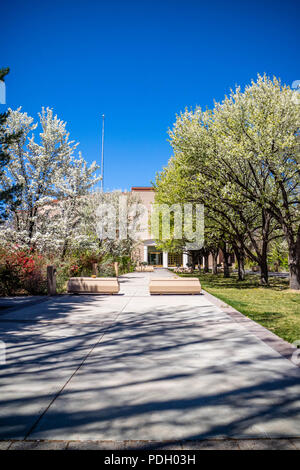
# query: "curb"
181,445
279,345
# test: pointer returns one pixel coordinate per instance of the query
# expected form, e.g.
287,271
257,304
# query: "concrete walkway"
141,367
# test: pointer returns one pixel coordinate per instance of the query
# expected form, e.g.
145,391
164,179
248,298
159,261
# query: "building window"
174,259
154,256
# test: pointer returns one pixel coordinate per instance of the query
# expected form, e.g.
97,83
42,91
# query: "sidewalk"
135,367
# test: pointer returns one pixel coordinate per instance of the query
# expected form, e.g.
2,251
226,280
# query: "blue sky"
140,63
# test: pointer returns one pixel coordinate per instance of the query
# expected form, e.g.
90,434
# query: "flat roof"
142,188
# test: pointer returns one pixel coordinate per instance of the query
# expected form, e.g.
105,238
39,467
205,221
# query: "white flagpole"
102,155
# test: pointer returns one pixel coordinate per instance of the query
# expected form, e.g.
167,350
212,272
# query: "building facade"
147,251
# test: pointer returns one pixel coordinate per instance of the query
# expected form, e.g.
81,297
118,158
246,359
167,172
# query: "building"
147,251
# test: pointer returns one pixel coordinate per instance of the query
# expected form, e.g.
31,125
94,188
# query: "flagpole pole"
102,154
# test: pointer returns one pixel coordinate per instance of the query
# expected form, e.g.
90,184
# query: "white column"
145,254
165,259
185,260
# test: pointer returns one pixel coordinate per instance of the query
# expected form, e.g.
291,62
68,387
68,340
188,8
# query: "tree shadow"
152,374
252,281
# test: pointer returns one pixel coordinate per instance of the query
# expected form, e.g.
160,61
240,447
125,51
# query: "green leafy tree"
195,174
242,161
258,135
8,192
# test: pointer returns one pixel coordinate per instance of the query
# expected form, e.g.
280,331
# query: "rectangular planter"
162,285
98,285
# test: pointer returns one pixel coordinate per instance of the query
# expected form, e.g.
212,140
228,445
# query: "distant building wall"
146,196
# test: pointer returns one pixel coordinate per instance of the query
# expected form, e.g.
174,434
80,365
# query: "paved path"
140,367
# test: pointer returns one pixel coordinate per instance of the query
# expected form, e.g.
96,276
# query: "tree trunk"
206,268
193,259
294,274
263,264
240,257
199,263
241,268
260,246
292,235
226,262
264,272
64,250
31,224
215,263
294,263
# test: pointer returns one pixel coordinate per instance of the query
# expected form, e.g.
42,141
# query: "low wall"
190,285
98,285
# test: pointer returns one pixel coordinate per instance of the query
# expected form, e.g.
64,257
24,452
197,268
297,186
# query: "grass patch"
275,307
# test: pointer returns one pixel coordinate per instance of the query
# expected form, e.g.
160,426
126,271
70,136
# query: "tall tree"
51,176
258,135
198,160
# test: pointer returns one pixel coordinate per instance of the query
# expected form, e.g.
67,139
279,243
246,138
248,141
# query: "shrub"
22,270
9,280
35,283
106,269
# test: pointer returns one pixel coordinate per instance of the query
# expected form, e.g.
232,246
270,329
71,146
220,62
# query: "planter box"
98,285
190,285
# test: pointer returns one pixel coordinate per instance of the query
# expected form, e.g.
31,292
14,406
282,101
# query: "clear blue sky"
140,63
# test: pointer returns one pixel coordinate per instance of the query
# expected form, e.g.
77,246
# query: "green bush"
9,280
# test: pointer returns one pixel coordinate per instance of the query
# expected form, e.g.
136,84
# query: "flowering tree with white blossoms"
195,174
53,180
258,135
242,161
114,219
64,219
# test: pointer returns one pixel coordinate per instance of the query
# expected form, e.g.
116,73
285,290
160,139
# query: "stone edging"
181,445
279,345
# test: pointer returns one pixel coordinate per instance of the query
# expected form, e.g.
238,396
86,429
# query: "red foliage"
21,269
74,269
25,264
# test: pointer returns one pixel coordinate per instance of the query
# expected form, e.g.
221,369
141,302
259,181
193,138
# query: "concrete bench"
97,285
163,285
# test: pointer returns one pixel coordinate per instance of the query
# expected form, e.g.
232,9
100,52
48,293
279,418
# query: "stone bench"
97,285
163,285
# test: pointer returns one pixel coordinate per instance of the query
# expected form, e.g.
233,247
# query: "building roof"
142,188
